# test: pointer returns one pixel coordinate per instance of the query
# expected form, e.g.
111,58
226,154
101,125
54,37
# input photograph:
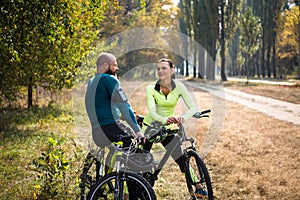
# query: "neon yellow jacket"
161,107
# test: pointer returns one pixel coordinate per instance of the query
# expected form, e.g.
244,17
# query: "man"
105,101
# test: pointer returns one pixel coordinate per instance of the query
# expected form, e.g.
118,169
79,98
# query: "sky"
176,1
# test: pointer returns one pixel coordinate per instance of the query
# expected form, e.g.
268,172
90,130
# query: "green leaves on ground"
51,169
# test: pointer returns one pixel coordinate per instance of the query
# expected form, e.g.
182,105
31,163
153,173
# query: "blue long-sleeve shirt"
105,101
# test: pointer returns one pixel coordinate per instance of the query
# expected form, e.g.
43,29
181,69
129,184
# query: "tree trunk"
223,42
247,67
263,72
30,91
257,64
274,57
186,68
202,65
195,62
268,59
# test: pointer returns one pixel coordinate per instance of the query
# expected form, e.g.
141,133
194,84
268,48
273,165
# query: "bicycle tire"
138,187
201,173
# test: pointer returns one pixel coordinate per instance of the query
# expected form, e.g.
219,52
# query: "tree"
201,20
43,42
288,38
186,26
229,14
208,22
155,13
250,36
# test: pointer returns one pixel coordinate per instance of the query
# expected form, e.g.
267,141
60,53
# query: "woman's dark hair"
166,60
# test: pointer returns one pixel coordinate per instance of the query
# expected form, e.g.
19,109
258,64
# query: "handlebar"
201,114
159,129
140,118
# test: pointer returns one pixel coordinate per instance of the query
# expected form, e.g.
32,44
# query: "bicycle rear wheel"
198,176
90,172
130,184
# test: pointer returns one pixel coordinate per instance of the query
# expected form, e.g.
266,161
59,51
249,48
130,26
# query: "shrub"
51,169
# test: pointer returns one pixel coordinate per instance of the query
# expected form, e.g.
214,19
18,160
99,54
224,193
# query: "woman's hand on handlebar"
174,120
171,120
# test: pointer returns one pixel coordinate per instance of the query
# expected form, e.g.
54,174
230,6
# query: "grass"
24,135
254,157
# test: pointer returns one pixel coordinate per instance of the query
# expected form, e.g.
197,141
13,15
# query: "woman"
162,98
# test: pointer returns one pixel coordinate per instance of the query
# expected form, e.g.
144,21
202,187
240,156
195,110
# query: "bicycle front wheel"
198,178
130,186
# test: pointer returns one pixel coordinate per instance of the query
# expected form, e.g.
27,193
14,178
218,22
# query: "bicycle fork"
188,175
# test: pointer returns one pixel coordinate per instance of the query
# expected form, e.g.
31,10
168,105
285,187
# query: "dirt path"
275,108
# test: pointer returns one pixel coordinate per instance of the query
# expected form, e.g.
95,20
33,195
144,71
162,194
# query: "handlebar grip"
205,111
200,114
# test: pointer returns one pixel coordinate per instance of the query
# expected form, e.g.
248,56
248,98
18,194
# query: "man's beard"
110,72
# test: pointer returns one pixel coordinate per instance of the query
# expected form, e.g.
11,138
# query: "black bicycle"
196,174
113,176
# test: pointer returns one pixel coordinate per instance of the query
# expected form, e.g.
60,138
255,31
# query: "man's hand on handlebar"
141,139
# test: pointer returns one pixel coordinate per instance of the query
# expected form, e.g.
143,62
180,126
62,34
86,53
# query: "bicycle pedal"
85,177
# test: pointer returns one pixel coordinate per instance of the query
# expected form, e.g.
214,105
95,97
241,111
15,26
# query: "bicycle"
118,184
92,170
194,165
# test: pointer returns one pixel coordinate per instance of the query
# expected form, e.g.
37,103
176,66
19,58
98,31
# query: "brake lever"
204,116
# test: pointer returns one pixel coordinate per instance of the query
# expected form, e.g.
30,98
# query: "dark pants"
107,134
176,154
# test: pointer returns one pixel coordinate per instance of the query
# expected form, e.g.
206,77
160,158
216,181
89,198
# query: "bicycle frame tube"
180,138
163,161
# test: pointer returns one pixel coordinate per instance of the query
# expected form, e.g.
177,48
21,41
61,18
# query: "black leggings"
176,154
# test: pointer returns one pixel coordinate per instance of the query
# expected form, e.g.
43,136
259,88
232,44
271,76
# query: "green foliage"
250,28
87,67
51,168
288,34
201,22
24,135
43,42
250,32
139,14
232,14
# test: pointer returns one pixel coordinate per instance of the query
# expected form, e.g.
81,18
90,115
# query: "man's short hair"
103,58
